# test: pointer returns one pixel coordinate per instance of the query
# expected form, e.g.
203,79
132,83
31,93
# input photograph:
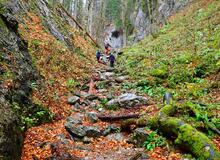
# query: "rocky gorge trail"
90,131
103,124
160,102
93,129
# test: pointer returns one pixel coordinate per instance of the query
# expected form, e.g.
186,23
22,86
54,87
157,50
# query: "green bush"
180,74
154,140
200,70
38,116
34,115
159,72
184,58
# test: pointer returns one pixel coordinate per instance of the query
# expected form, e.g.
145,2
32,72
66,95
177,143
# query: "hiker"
107,48
98,56
112,60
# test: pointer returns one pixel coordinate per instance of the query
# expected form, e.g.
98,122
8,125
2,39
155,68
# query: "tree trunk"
123,14
184,135
117,117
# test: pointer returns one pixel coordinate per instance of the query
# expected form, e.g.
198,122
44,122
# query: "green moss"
159,72
187,136
142,121
164,112
200,145
167,110
170,125
187,108
153,122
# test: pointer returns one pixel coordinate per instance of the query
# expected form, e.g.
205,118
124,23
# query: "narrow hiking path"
92,129
182,58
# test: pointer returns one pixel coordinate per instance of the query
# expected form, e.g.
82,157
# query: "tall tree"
123,17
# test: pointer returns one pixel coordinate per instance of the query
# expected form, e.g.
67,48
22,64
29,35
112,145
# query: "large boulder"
92,131
140,136
110,129
128,100
73,120
92,117
75,131
121,79
78,117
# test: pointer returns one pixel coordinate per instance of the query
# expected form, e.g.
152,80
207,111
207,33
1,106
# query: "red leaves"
216,140
163,154
57,64
92,89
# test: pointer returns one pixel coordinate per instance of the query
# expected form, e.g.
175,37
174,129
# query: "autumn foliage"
56,64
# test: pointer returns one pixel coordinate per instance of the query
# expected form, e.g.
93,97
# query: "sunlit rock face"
113,36
161,11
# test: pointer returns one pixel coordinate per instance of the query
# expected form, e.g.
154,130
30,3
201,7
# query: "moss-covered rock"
197,143
184,134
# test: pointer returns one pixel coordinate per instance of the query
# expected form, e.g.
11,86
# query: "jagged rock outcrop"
17,74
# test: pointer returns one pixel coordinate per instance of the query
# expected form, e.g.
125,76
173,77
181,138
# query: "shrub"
38,115
180,75
154,140
184,58
200,70
160,70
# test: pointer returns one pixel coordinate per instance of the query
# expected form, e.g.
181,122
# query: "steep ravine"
48,73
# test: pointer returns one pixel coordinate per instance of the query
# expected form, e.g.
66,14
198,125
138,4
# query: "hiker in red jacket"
107,48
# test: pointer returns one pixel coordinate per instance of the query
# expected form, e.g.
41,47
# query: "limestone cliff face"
132,20
142,19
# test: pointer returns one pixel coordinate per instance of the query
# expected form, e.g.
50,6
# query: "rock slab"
128,100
